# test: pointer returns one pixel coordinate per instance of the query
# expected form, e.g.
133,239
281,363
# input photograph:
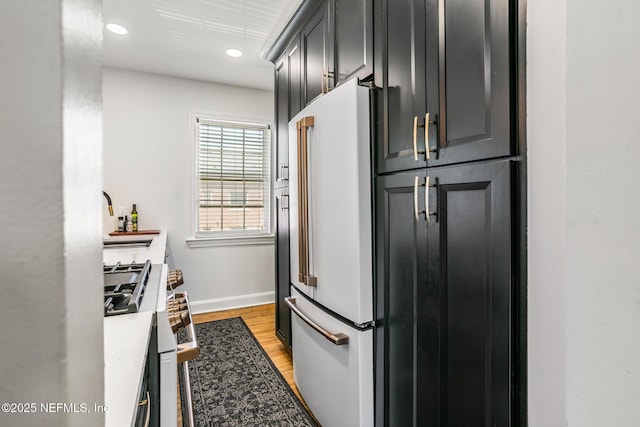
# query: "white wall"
50,187
146,161
584,238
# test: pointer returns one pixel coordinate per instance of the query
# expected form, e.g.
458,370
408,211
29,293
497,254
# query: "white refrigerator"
331,256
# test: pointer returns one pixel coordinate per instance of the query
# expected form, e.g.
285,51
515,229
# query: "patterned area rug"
234,383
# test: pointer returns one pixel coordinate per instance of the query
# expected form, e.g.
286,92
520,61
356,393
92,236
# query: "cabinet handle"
415,199
426,124
283,206
147,402
427,185
415,138
284,176
426,197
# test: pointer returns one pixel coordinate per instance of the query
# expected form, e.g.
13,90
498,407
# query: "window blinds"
233,177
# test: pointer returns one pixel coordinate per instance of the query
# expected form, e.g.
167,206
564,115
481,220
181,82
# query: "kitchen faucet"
110,206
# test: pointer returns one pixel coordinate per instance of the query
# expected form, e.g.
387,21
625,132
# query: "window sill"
208,242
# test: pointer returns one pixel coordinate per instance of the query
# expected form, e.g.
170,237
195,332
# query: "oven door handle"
337,338
191,349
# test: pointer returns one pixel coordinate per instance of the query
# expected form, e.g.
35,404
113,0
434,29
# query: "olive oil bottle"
134,218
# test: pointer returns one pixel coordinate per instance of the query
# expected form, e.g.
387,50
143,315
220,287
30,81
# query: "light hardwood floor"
261,321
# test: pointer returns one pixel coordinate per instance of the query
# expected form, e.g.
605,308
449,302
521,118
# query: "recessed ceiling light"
234,52
117,29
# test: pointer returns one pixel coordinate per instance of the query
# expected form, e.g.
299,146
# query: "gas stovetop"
124,286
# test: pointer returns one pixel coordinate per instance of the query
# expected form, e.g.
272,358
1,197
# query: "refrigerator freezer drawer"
336,381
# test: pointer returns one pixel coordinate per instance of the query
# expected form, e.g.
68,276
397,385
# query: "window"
232,174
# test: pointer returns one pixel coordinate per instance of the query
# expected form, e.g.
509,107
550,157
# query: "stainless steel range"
124,286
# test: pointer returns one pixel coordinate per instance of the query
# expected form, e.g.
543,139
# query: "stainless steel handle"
415,199
415,138
188,351
427,151
189,420
147,402
337,338
426,143
284,207
426,198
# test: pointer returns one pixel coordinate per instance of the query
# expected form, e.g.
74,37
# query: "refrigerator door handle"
303,203
337,338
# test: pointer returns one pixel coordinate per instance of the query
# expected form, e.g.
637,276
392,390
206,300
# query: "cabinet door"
287,96
316,54
281,145
469,79
401,270
283,314
464,315
403,83
353,39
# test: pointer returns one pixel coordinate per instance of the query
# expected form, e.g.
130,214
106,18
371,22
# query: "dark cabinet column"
283,315
444,297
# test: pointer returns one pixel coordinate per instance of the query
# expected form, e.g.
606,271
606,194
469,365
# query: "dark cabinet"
283,315
446,77
287,104
444,297
317,50
353,40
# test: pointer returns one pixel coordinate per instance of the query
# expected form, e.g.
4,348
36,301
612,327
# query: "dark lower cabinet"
283,315
444,339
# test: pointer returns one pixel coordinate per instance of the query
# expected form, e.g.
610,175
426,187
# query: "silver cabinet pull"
427,122
337,338
426,197
284,206
426,185
415,138
415,198
147,402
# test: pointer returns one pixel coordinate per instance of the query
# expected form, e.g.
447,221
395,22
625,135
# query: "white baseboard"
219,304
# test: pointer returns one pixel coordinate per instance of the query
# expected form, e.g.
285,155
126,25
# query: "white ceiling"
188,38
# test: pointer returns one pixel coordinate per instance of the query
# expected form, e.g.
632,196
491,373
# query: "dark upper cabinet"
287,104
451,61
317,54
444,297
401,75
353,40
283,315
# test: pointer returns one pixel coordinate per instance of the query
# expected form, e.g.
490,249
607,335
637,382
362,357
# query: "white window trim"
229,238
